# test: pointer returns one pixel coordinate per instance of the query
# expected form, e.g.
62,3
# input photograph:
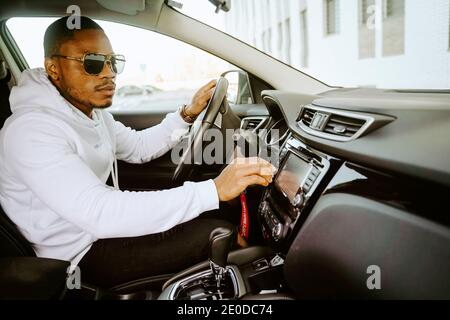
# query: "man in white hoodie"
59,147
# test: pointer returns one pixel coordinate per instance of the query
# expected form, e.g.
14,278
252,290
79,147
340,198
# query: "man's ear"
52,68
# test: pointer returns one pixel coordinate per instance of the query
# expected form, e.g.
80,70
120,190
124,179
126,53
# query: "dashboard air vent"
343,126
334,124
308,116
252,123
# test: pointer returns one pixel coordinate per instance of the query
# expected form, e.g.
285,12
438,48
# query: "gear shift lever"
220,241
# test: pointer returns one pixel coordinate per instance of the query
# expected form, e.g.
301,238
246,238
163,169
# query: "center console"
247,272
300,173
284,205
203,286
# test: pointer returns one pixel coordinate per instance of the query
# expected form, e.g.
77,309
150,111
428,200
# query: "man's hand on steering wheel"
200,99
242,172
210,97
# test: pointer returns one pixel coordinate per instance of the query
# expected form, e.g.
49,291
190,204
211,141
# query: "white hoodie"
55,162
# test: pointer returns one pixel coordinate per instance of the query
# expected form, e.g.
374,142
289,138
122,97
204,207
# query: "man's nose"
107,71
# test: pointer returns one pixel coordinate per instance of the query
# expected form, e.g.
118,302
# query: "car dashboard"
363,177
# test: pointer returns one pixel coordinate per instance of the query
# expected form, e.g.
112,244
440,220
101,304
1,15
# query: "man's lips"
108,89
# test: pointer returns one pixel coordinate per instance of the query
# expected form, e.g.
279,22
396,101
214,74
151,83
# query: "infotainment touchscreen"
292,175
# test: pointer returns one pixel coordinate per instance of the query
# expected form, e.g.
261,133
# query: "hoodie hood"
34,90
35,93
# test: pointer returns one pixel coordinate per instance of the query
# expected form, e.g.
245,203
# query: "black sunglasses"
95,62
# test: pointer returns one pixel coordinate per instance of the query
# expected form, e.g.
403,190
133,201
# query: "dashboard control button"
260,264
298,200
263,208
315,172
277,231
309,183
306,188
310,180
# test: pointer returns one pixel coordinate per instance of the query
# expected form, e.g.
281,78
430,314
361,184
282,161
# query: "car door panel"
154,175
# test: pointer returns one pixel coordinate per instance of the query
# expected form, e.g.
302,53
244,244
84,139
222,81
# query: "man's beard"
102,106
69,96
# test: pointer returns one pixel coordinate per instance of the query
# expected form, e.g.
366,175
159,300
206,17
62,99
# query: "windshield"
370,43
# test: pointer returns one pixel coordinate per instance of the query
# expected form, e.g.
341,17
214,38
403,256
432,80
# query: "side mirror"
223,5
239,89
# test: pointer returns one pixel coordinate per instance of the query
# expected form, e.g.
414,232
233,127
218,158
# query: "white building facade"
380,43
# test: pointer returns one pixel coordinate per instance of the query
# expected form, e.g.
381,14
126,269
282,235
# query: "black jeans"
111,262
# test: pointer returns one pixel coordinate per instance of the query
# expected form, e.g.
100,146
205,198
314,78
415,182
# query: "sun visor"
129,7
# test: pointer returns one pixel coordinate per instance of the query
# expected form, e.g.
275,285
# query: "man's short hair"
57,33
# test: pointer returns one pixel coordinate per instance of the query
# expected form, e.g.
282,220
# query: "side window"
160,74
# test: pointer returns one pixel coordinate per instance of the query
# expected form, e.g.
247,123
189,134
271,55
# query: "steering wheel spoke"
211,114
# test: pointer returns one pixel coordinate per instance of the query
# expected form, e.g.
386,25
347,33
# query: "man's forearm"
144,146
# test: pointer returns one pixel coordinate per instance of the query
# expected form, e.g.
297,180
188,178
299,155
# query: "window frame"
331,19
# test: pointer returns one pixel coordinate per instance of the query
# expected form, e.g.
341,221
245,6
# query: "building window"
364,11
267,40
331,14
304,37
263,41
267,9
393,8
366,29
393,27
280,40
287,42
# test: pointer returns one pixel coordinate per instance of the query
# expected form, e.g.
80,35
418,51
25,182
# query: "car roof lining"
147,18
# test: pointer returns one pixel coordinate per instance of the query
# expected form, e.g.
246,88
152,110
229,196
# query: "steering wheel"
186,165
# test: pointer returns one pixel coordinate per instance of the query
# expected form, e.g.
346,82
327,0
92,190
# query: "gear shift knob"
220,241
